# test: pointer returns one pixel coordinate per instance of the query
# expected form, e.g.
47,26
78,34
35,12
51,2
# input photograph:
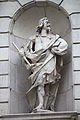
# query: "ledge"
67,115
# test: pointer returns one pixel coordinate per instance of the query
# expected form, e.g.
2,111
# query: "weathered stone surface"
4,53
69,99
4,24
76,36
41,116
76,77
25,1
55,1
13,76
41,3
76,49
21,29
42,42
4,94
71,6
18,102
3,108
75,20
61,102
25,25
4,67
77,91
66,74
4,40
64,101
77,106
76,63
4,81
9,8
68,57
16,60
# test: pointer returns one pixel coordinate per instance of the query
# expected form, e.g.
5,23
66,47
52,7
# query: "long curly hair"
41,25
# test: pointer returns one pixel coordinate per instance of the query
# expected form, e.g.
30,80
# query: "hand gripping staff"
23,56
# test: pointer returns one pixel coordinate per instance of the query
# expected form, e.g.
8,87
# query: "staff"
23,56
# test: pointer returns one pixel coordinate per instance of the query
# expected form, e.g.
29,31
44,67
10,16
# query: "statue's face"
44,23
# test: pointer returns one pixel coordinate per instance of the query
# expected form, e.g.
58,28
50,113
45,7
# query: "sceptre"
23,56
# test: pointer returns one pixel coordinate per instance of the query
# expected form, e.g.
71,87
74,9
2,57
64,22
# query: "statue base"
67,115
41,111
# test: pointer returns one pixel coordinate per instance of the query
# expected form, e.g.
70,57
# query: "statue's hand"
52,51
30,67
21,52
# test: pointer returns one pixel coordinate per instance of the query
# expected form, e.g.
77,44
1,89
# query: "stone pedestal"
41,116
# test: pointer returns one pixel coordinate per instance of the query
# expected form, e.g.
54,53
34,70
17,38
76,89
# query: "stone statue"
40,57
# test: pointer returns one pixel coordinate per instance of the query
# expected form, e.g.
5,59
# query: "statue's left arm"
60,47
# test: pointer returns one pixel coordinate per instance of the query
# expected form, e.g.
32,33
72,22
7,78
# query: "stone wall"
7,10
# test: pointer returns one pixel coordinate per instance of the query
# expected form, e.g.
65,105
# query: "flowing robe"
44,62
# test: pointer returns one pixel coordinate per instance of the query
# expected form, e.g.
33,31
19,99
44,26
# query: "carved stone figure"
40,57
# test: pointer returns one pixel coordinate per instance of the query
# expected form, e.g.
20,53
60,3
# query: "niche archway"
22,27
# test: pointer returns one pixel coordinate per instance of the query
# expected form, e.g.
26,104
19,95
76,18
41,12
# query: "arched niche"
22,27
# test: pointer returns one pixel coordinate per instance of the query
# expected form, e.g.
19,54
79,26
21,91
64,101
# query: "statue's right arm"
24,49
21,52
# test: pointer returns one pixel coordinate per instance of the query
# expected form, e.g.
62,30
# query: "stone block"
4,67
75,20
55,1
4,53
4,81
9,8
4,95
71,5
22,2
77,105
4,24
4,108
76,36
4,40
76,63
77,91
76,77
64,115
76,49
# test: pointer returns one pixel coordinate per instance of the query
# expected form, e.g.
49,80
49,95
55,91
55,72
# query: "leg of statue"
46,97
53,96
41,93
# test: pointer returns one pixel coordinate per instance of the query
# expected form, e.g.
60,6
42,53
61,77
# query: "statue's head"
43,24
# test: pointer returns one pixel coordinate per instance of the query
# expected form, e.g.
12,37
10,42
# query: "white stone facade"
16,23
